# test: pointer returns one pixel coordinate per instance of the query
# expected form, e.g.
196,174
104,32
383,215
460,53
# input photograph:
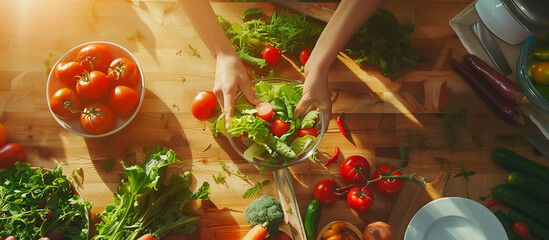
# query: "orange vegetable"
147,236
258,232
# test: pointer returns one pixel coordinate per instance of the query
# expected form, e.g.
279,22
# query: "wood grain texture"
380,115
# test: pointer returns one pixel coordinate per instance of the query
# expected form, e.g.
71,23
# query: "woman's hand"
315,94
231,76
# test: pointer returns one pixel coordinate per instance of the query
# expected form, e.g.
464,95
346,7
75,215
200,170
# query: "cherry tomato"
93,86
55,235
147,236
521,229
11,238
264,111
271,54
123,100
11,153
66,103
68,73
279,127
95,57
324,192
3,135
541,73
360,198
203,106
388,186
124,71
307,131
355,169
97,119
44,238
305,54
49,215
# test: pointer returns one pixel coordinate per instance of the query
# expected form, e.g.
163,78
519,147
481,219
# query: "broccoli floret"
265,209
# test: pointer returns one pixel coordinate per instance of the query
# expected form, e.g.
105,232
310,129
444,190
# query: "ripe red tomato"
124,71
95,57
264,111
307,131
69,73
123,100
93,86
279,127
3,135
521,229
11,153
360,198
324,191
147,236
11,238
66,103
203,106
355,169
305,54
98,118
388,186
55,235
271,54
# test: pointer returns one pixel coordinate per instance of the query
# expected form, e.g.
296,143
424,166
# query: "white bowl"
500,21
73,125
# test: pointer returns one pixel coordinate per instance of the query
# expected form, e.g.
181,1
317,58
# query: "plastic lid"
532,14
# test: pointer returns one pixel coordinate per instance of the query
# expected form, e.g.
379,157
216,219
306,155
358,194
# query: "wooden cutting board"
411,198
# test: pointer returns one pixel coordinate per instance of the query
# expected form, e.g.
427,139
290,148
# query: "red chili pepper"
333,158
492,202
340,125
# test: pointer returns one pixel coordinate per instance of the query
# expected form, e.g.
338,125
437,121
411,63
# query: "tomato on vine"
94,57
93,86
324,191
355,169
360,198
66,103
68,73
305,54
388,186
97,118
123,71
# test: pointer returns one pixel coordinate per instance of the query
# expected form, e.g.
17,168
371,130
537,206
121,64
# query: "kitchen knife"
538,142
490,45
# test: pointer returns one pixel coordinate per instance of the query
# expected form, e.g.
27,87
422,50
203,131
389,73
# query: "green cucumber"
530,185
521,201
536,229
514,162
312,215
507,225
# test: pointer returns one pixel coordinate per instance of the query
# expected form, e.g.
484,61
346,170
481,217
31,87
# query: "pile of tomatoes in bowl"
95,89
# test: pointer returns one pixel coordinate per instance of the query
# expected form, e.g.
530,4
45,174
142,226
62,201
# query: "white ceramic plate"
454,218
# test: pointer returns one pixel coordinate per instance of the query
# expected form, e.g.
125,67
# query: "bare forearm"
207,26
348,17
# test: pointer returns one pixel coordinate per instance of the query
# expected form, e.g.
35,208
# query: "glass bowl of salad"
533,70
267,135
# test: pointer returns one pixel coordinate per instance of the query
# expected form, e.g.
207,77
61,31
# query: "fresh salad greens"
148,202
35,202
257,134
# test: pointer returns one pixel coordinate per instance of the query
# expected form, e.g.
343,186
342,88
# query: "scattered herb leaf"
219,178
108,165
135,36
464,172
208,147
110,143
255,189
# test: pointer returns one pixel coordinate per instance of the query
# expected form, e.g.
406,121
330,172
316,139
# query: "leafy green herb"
289,210
247,39
22,188
293,32
183,79
230,171
175,106
108,165
384,42
219,178
208,147
464,172
147,202
251,13
255,189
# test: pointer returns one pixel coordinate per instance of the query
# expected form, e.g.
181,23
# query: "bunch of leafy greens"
384,42
28,194
381,41
148,202
260,141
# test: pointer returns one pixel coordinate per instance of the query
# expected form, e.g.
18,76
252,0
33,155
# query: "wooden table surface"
381,115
